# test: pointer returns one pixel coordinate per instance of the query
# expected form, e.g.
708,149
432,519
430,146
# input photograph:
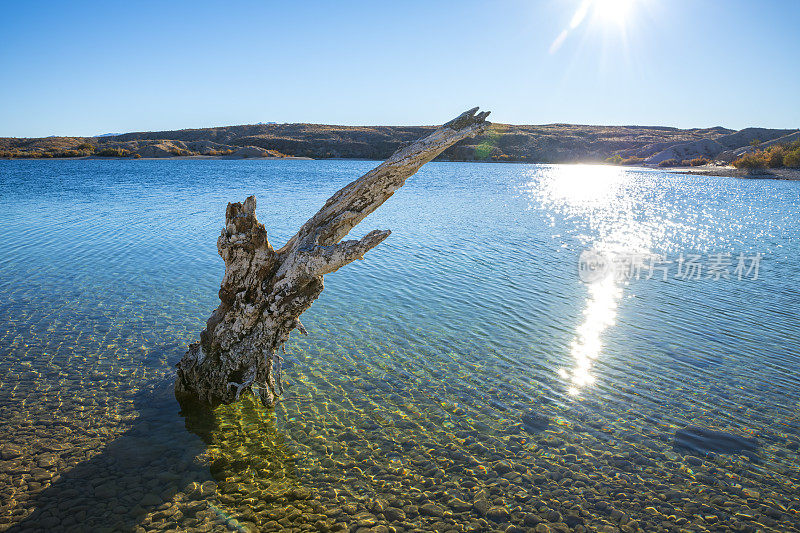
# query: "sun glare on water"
584,184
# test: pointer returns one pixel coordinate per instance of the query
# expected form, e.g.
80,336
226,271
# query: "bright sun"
605,12
613,10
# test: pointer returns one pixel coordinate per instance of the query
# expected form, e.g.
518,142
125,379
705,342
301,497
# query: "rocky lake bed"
411,405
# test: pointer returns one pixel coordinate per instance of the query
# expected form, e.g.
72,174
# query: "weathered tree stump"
264,291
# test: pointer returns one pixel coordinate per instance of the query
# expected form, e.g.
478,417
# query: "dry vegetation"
552,143
779,156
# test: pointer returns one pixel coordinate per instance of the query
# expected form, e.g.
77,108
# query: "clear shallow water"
419,398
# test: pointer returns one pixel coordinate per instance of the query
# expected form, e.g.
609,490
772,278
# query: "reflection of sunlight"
583,183
619,213
601,197
599,314
597,204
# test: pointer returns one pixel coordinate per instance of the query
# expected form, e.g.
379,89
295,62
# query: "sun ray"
607,13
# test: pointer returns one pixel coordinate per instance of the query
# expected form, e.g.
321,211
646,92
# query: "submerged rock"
431,509
704,440
393,514
10,452
534,421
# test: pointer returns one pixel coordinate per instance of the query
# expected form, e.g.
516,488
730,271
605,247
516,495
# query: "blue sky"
86,68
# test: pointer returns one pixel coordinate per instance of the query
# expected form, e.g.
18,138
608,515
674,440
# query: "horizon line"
654,126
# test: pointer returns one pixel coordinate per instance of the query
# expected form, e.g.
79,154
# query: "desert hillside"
551,143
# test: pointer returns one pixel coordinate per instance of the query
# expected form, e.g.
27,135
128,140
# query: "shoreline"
791,174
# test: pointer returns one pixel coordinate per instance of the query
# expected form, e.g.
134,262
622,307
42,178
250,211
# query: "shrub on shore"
114,152
217,153
669,163
750,162
697,162
779,156
89,147
617,159
774,157
792,159
47,154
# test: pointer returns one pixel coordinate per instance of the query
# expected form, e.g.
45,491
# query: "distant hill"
550,143
724,147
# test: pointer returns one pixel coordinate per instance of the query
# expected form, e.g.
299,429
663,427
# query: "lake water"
462,377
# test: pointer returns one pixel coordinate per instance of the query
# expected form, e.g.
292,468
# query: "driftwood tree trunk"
264,291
